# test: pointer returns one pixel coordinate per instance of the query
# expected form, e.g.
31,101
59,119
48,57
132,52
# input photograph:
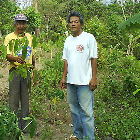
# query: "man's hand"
93,84
63,84
19,60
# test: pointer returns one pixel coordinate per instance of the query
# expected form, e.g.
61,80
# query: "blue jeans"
80,100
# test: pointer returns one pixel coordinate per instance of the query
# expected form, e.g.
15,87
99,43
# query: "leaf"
16,45
11,76
34,41
32,128
11,44
22,70
9,125
135,92
4,51
54,100
27,118
131,23
24,51
19,48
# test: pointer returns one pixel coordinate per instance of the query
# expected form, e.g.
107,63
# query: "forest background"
116,28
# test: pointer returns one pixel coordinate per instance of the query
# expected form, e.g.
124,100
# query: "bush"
49,78
116,106
9,125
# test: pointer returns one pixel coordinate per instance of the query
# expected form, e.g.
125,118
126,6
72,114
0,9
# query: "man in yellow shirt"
19,87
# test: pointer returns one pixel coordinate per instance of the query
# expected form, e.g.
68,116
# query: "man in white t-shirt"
80,64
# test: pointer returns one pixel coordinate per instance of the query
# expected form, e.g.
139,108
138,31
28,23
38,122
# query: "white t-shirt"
78,52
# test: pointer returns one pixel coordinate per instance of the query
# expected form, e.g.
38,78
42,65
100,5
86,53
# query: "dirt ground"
61,130
3,80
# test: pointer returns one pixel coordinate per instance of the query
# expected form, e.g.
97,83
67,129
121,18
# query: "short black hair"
77,14
20,21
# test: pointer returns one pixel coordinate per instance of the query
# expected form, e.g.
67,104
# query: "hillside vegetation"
118,93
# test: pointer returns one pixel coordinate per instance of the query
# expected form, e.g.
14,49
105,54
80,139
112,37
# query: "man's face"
75,25
21,26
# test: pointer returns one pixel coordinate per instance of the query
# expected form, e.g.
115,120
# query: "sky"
23,3
109,1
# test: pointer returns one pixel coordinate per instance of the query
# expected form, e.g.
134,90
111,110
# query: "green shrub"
49,78
9,125
116,108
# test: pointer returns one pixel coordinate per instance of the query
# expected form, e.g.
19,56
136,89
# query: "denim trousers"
19,89
80,100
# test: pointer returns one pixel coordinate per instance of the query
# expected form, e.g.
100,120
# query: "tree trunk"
35,5
37,30
123,9
0,34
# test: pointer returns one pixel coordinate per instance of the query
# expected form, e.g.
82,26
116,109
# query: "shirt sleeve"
31,44
93,47
6,43
64,52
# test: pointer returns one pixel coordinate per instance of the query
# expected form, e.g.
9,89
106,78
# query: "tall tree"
7,12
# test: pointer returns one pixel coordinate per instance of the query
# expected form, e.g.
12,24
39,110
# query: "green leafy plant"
3,51
9,125
132,23
46,133
17,45
34,18
51,75
118,94
7,11
31,125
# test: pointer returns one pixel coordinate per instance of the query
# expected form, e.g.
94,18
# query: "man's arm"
93,82
34,71
33,61
11,58
63,81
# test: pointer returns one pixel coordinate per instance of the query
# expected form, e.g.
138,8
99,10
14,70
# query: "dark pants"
19,89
